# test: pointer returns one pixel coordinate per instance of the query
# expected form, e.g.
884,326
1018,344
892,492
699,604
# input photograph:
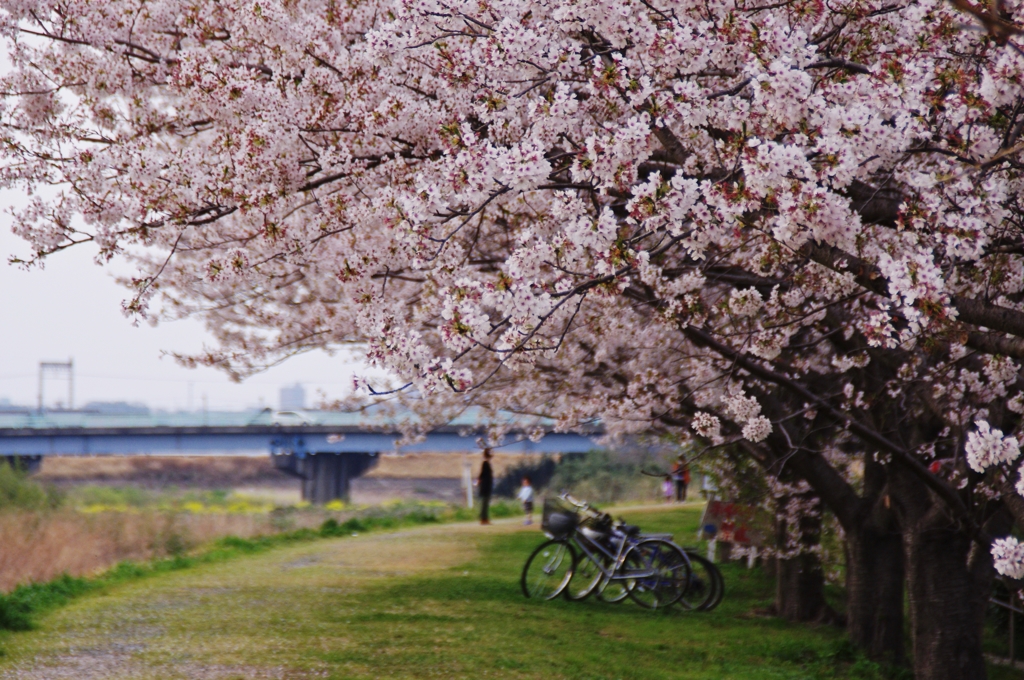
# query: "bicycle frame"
617,559
615,572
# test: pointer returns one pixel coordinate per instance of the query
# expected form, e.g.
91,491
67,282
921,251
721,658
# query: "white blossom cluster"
745,302
987,447
745,410
707,425
1008,557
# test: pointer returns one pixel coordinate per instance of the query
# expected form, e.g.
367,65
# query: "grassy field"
85,529
440,601
218,472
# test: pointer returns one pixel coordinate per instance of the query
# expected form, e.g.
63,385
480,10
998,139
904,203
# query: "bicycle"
613,559
707,587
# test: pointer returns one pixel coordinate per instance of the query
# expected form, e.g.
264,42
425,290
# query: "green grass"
20,607
436,601
480,612
19,492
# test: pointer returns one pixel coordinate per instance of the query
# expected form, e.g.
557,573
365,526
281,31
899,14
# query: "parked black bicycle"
707,587
591,554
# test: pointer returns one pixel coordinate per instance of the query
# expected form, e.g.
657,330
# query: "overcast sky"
72,310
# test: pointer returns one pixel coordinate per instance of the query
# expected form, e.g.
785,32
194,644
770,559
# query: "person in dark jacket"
485,485
681,477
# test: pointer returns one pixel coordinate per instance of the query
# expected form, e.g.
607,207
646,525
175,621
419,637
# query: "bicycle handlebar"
584,506
568,498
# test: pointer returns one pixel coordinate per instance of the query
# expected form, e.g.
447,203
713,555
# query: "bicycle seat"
629,529
593,534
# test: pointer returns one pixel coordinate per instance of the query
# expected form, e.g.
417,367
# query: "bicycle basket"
559,518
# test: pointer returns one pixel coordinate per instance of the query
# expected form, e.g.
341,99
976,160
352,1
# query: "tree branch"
969,310
866,434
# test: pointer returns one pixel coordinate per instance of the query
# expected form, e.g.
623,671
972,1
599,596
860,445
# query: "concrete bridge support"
325,476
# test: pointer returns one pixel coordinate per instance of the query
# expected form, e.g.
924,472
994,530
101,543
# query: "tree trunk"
947,583
946,605
874,588
799,592
800,579
874,554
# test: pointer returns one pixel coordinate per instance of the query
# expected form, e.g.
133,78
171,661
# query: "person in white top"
526,496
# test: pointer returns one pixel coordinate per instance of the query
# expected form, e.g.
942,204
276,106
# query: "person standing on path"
681,478
485,485
526,496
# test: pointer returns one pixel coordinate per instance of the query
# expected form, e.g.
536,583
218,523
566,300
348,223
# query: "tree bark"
875,572
874,555
799,593
946,604
874,590
948,582
800,579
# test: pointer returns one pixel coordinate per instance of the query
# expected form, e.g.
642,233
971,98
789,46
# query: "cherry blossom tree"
792,228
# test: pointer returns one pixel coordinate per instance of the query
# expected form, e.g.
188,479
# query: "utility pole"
57,369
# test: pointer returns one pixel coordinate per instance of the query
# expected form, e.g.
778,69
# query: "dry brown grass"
38,546
192,471
444,465
246,471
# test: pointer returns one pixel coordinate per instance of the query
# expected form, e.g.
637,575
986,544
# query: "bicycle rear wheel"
548,570
719,591
665,573
705,584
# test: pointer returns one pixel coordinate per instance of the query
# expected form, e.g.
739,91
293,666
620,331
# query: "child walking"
667,488
526,496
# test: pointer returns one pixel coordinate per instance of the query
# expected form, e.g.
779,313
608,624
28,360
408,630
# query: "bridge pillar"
328,475
30,464
325,476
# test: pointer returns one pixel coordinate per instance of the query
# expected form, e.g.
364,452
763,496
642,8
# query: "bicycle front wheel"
616,588
662,573
548,570
586,577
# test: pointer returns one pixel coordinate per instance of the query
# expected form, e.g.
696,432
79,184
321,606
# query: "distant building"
293,398
6,406
117,408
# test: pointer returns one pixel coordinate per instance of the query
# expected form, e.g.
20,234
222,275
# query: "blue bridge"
323,449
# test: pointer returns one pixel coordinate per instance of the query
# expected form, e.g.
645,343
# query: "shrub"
540,473
243,545
603,477
599,476
330,527
353,525
17,608
18,491
505,509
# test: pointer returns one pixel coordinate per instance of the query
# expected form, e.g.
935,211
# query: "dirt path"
231,620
